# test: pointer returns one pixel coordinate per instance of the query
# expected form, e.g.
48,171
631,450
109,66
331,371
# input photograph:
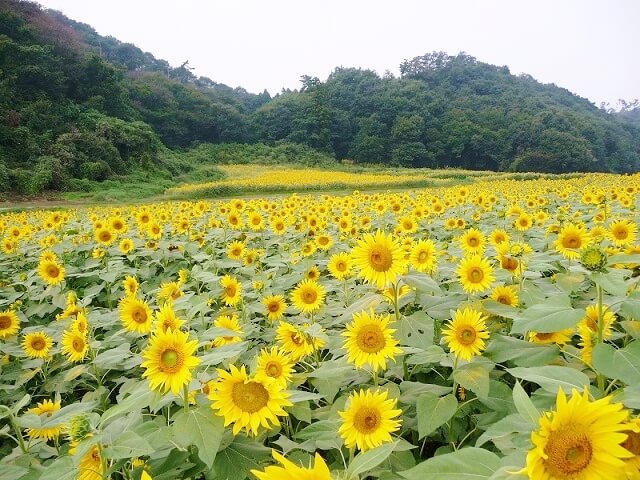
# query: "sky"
587,46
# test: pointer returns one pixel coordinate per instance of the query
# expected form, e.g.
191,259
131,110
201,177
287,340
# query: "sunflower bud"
79,428
594,259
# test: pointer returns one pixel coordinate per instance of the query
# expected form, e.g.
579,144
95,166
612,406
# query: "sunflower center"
366,420
380,259
274,307
423,257
297,339
230,291
78,344
273,369
571,241
504,299
569,451
544,336
466,335
38,343
341,266
632,443
5,322
475,275
370,339
621,233
139,315
473,242
53,271
323,241
249,397
105,236
309,296
169,358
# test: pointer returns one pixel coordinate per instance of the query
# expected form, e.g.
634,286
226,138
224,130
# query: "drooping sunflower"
580,440
466,333
230,322
130,285
169,359
379,258
623,232
423,256
232,290
370,341
44,410
475,274
276,364
247,402
275,306
51,272
135,315
296,342
90,466
166,319
308,296
290,471
340,265
170,291
74,345
473,241
9,323
369,419
590,320
505,294
571,240
81,323
561,337
37,344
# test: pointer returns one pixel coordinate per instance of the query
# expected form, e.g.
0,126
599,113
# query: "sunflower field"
487,331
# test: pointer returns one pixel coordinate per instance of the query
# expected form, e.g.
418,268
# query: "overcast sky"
587,46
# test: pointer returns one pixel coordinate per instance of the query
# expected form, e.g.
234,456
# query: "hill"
77,107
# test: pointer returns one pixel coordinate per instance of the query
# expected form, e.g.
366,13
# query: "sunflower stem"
185,392
599,376
16,429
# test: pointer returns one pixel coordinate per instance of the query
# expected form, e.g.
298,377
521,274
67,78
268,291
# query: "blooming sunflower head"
289,470
340,265
231,290
276,364
166,318
571,240
473,241
9,323
74,345
561,337
369,420
423,256
505,294
379,258
623,232
37,344
170,291
51,272
228,322
44,410
466,333
130,285
275,307
296,342
135,315
475,274
308,296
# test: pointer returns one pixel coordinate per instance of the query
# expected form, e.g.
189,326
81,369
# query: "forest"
79,107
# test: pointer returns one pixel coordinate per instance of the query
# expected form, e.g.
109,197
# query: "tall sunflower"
247,402
229,322
74,345
379,258
423,256
475,274
580,440
473,241
276,364
37,344
370,341
290,471
308,296
169,360
571,240
232,290
44,410
135,315
51,272
369,419
340,265
466,333
275,307
9,323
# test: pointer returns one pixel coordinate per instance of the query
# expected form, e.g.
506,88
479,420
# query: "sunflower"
229,322
235,250
296,342
104,236
135,315
246,402
130,285
290,471
126,245
340,265
255,221
571,240
44,410
623,232
324,241
466,333
379,258
170,291
423,256
308,296
473,241
370,341
74,345
590,320
166,319
9,323
51,272
561,337
523,222
80,323
275,306
580,440
505,294
90,466
169,360
369,419
232,290
632,444
313,273
475,274
37,344
275,364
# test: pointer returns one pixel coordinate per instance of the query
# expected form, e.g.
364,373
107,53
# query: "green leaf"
555,314
524,405
218,354
503,432
622,364
138,399
320,430
199,427
433,411
473,377
465,464
551,377
128,445
502,348
113,358
422,282
611,282
235,461
415,330
370,459
11,472
61,469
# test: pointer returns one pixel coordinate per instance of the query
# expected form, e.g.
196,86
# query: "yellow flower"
130,285
51,272
290,471
126,245
37,344
571,240
475,274
623,232
166,319
235,250
275,306
44,410
246,402
590,320
9,323
104,236
296,342
580,440
498,236
505,294
379,259
370,341
632,444
423,256
135,315
473,241
340,265
232,290
561,337
324,241
369,420
275,364
308,296
169,360
90,466
229,322
74,345
170,291
466,334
